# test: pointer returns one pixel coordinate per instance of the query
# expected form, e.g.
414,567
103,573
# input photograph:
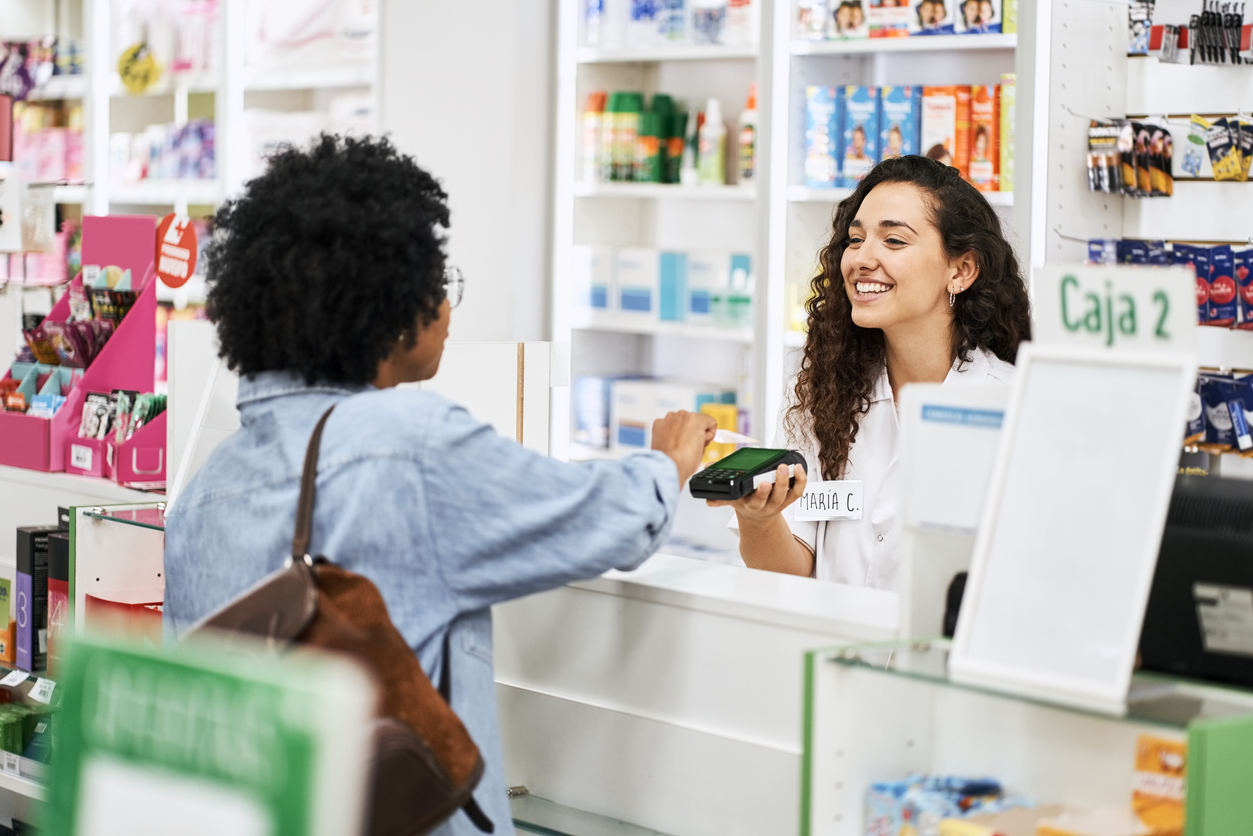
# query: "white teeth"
872,287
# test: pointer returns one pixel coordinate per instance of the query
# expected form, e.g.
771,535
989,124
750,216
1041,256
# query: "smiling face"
895,270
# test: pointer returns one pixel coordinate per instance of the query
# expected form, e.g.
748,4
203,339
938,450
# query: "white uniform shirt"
866,552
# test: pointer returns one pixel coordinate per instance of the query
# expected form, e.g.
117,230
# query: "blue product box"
822,137
1216,393
673,301
1196,259
1132,251
860,129
1222,287
900,121
1102,251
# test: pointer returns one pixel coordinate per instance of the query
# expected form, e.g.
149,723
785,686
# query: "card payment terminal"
733,477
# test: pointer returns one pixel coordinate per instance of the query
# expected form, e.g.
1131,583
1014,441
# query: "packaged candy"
14,402
1129,173
45,406
1244,129
1189,256
80,303
1144,178
1160,153
40,343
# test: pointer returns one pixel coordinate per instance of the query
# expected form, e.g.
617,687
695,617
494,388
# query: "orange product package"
946,125
985,137
1157,800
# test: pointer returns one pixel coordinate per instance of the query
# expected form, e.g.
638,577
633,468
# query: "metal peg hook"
1057,230
1078,115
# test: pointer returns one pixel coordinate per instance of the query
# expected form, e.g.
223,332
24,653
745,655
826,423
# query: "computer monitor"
1199,621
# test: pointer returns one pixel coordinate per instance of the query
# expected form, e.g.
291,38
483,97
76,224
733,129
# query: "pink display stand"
140,460
87,457
125,362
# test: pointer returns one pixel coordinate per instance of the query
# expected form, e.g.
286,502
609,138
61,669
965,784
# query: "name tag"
830,501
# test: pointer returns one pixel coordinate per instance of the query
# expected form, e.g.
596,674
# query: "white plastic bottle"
746,141
712,159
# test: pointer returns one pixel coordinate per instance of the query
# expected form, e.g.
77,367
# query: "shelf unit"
235,88
778,220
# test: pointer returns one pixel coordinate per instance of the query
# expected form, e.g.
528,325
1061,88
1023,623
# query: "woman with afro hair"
328,286
917,284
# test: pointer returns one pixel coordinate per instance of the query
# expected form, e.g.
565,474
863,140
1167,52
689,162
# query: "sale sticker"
176,250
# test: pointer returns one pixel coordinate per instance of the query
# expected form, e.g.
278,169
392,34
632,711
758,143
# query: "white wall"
468,89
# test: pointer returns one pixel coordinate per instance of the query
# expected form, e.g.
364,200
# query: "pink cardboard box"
140,460
126,361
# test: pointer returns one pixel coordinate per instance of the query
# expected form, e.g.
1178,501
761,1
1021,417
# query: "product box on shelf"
985,130
847,21
593,269
1009,109
978,17
125,362
860,121
946,125
822,136
139,461
638,282
58,594
672,284
636,403
32,596
888,19
932,17
708,276
900,114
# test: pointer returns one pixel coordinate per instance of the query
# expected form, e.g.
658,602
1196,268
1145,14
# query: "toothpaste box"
888,20
1222,287
822,137
860,124
673,287
638,282
900,115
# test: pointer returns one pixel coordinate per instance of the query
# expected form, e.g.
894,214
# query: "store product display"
1224,286
1216,34
702,287
617,411
849,129
622,140
818,20
657,24
48,142
165,152
27,65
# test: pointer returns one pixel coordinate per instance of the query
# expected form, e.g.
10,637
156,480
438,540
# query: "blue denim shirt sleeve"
511,522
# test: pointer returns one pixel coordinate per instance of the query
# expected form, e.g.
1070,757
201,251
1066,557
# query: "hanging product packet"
1160,152
1104,167
125,400
1195,157
1194,432
1144,179
1244,128
1242,269
1216,390
1224,151
40,343
1240,408
96,416
1197,261
1223,304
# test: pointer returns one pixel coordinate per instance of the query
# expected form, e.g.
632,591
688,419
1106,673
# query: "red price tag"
176,250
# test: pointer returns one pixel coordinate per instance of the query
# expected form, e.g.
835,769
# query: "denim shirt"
445,516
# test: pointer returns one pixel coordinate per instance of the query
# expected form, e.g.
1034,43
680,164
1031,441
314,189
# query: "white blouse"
866,552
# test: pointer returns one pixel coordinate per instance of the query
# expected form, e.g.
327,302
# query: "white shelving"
928,43
23,786
328,78
166,192
673,329
663,191
804,194
61,87
588,55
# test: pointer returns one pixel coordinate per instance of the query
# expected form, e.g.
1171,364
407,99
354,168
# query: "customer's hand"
768,500
683,436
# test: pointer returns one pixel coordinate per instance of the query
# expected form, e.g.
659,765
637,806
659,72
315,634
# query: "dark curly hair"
842,361
325,259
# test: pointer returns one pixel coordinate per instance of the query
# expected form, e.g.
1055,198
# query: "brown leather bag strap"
308,493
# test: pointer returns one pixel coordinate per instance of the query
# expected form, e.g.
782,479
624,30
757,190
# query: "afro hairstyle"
326,260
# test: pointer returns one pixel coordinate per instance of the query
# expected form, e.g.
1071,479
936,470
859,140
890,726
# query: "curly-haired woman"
328,287
917,284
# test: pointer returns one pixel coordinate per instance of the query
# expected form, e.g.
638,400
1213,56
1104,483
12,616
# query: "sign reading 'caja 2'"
1115,307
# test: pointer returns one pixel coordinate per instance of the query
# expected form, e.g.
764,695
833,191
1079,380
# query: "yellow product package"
1161,766
1224,150
964,827
727,416
1096,823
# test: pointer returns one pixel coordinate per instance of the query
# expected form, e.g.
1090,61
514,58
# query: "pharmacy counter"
671,697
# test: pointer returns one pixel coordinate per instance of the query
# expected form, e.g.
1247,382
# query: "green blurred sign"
197,742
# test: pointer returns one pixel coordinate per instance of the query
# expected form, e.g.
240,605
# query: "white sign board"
1068,543
1105,306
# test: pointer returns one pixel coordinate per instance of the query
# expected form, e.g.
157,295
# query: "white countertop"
843,611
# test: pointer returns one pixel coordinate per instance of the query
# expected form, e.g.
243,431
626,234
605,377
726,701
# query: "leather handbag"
425,766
